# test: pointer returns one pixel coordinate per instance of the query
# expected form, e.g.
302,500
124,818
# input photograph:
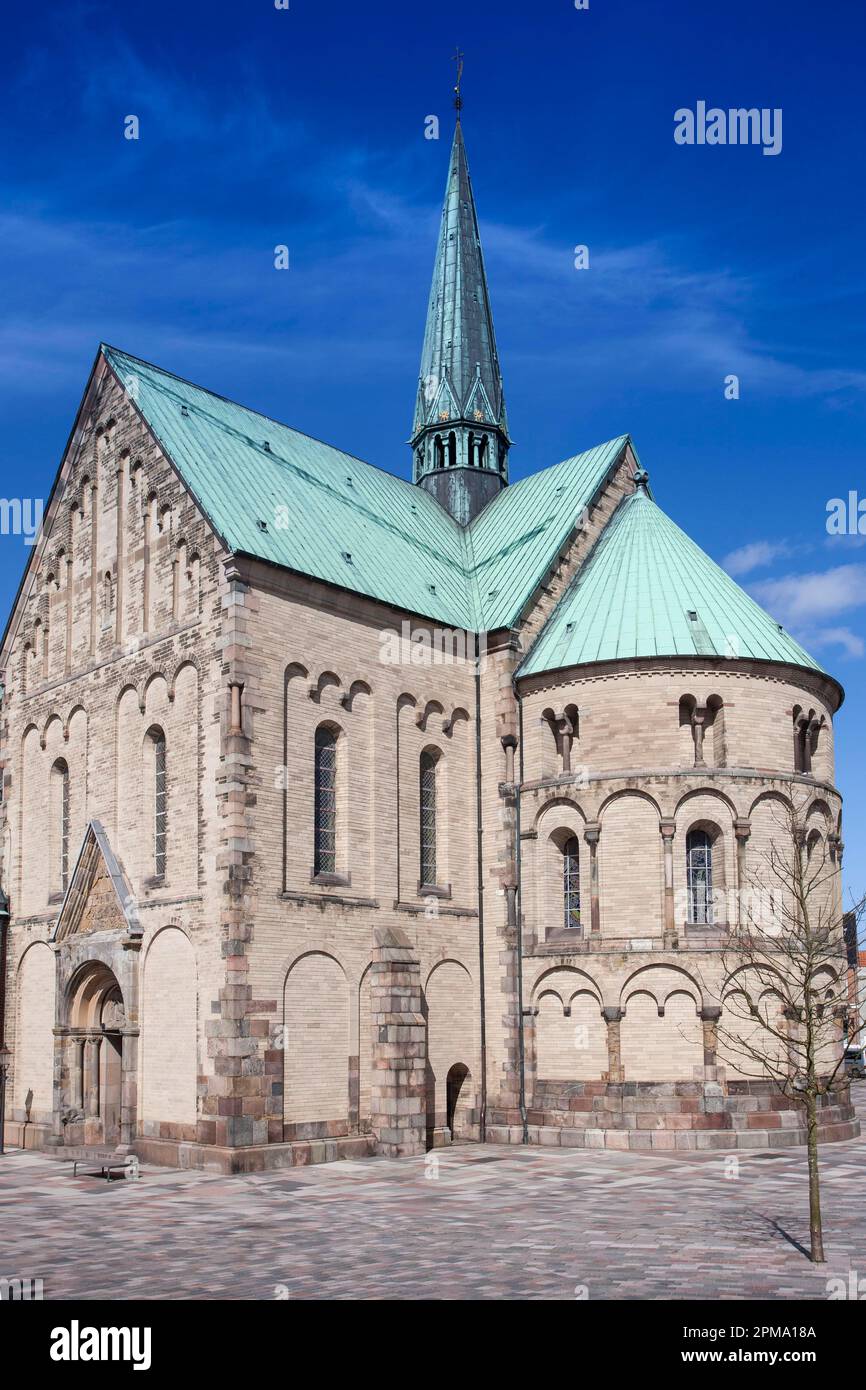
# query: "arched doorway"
458,1101
95,1068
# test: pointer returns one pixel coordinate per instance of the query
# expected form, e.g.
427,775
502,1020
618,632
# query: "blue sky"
305,127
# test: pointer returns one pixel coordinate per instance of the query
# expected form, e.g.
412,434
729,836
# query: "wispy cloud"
808,604
799,598
842,637
755,555
652,311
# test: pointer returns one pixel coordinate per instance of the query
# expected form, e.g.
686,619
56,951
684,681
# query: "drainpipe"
479,835
521,1041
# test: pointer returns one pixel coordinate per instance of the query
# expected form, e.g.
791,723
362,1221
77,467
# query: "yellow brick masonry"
281,1007
116,631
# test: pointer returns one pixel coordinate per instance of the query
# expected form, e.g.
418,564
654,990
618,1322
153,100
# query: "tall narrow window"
325,810
60,809
699,874
158,789
806,730
571,884
428,819
107,599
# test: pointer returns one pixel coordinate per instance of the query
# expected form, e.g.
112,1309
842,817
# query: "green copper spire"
460,433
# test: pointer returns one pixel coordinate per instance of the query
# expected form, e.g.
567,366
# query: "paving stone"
495,1221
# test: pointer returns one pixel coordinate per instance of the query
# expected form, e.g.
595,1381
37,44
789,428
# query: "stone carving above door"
99,898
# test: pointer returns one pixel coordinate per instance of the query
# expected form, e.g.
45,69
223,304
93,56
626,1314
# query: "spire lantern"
460,437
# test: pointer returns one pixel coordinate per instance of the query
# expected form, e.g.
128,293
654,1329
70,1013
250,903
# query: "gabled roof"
648,590
517,537
325,513
354,525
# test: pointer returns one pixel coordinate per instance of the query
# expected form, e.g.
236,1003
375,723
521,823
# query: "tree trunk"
816,1231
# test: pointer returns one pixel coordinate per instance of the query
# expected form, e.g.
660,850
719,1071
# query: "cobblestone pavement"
472,1222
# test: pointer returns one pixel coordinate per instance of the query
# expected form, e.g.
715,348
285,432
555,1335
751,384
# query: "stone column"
800,839
235,725
834,845
668,830
60,1088
91,1053
565,737
398,1084
613,1019
742,830
710,1016
78,1073
698,731
128,1086
591,835
509,743
793,1027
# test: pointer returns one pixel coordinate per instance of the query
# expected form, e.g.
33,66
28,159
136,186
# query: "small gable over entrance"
99,898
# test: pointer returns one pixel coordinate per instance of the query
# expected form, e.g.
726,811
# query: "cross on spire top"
458,99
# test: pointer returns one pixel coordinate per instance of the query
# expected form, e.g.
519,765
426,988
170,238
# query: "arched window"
325,802
157,785
107,599
799,742
699,876
571,884
452,449
194,583
60,823
804,742
428,818
715,743
438,452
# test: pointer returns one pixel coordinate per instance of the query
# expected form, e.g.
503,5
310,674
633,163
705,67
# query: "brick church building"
344,814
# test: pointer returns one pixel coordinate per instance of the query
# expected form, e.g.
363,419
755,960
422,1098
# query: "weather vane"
458,100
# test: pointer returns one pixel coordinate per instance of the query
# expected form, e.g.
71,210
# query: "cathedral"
346,815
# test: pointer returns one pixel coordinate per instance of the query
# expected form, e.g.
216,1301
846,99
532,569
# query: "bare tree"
787,1009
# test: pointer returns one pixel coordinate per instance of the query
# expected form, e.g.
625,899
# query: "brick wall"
121,654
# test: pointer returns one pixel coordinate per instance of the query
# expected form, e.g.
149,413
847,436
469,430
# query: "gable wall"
90,665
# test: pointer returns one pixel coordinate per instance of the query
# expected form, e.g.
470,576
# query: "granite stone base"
212,1158
670,1115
